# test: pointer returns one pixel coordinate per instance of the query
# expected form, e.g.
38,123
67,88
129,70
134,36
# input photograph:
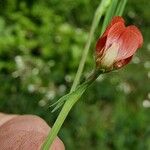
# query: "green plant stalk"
121,8
98,14
109,14
70,102
72,99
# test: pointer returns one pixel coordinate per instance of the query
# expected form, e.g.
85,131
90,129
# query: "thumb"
25,132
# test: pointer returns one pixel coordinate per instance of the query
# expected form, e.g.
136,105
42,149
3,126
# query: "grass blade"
109,14
121,8
98,14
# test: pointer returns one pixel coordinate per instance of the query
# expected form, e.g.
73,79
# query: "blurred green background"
40,47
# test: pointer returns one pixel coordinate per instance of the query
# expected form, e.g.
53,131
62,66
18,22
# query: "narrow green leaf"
97,17
121,8
72,99
109,14
57,106
62,99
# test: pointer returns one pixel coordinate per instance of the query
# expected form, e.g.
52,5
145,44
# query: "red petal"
137,31
102,40
129,42
114,33
100,44
121,63
115,20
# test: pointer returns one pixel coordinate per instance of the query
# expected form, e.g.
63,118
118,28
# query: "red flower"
117,45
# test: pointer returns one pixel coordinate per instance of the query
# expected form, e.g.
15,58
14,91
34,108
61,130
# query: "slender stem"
67,107
109,14
121,7
69,103
98,14
58,123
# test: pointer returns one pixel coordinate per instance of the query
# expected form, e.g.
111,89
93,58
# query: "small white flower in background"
31,88
19,62
146,103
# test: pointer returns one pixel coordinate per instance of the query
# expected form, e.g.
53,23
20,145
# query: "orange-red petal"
114,33
100,44
121,63
137,31
129,42
114,20
116,23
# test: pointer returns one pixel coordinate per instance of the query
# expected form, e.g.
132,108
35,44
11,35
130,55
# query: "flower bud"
116,47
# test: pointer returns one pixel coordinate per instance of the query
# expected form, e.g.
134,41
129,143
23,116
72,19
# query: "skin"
24,132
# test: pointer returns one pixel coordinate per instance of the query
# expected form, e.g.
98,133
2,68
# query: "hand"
24,132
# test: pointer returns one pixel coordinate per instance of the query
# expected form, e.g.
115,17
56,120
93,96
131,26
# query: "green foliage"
120,8
40,47
109,14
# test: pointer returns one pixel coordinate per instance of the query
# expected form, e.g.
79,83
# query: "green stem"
121,8
73,98
98,14
109,14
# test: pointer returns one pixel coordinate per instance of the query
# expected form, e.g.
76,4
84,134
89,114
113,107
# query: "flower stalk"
71,100
98,14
